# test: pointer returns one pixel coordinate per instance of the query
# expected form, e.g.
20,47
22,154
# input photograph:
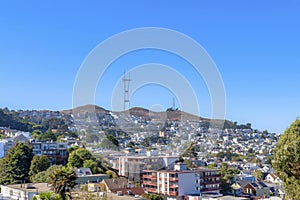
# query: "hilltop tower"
126,81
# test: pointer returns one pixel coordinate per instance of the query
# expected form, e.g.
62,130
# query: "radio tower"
126,81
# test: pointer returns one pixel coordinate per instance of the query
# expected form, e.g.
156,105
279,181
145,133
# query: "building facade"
180,182
57,152
132,167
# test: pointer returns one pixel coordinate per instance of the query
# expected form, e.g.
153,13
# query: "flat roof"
34,187
185,171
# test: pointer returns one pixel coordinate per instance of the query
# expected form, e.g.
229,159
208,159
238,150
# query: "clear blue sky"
254,43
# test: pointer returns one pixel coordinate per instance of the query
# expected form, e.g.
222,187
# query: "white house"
272,178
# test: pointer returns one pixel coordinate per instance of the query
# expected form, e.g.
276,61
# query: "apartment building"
57,152
178,183
132,167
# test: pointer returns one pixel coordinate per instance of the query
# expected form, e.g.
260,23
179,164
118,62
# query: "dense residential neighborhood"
173,159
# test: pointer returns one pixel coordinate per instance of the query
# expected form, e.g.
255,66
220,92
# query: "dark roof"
259,185
262,184
113,184
130,191
243,183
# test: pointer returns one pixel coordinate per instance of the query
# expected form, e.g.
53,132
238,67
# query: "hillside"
93,115
85,109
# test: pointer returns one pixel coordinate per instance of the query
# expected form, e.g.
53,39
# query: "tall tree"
78,156
287,160
44,176
227,177
38,164
93,165
63,181
14,167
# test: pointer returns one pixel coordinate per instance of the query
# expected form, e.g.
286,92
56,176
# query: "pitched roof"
259,185
243,183
113,184
130,191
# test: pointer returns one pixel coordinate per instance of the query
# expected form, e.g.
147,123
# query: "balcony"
173,179
152,190
150,183
211,176
173,194
150,177
210,189
173,186
210,182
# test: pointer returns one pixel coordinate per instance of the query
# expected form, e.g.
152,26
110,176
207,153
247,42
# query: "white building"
23,191
132,166
181,182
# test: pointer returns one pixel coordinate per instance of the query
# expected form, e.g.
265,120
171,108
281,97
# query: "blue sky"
255,45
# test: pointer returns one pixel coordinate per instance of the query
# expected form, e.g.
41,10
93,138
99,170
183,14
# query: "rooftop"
31,187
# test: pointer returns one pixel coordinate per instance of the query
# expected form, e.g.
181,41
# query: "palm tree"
63,181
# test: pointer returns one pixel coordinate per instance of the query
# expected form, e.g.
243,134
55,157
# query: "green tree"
14,167
63,181
38,164
44,176
227,177
287,160
111,174
78,156
189,164
152,196
47,196
36,134
258,175
47,136
73,148
93,165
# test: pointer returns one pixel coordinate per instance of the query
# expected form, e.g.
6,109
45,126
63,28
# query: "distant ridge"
86,108
174,115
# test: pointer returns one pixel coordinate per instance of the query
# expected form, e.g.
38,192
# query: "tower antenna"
126,81
173,103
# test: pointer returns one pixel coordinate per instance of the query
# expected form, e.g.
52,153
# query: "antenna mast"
126,81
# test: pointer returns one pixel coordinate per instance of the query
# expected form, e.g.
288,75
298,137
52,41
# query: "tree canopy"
38,164
78,156
14,167
287,160
63,181
44,176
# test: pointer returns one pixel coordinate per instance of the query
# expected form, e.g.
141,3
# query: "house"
115,184
130,191
272,178
245,177
23,191
82,171
258,189
121,186
84,176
